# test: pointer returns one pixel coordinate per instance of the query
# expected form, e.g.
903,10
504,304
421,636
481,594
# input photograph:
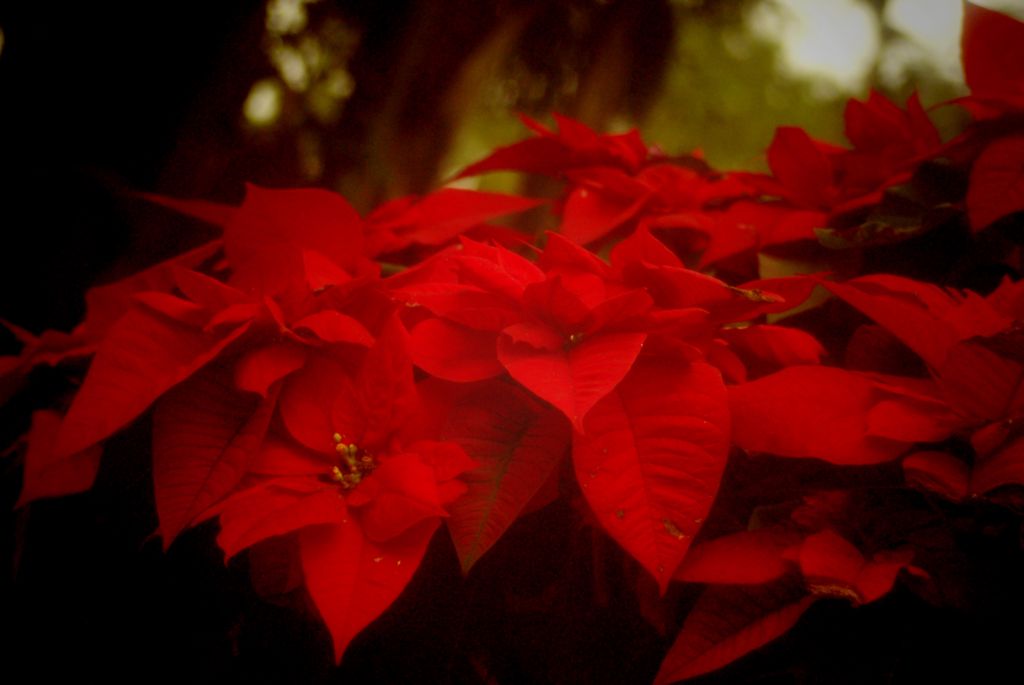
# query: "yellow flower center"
355,463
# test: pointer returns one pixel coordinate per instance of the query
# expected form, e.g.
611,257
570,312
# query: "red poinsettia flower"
287,253
345,474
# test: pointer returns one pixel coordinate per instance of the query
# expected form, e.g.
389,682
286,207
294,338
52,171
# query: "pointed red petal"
256,371
980,384
352,580
406,494
773,347
385,386
826,557
997,182
279,457
49,476
1005,467
834,567
744,558
206,291
800,165
730,622
332,326
992,46
205,433
938,472
589,214
267,237
106,304
810,411
214,213
517,443
445,213
453,352
273,509
572,379
319,401
926,318
533,156
144,355
642,248
652,457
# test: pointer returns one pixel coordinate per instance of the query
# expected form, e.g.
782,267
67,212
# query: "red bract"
997,183
651,459
438,218
662,195
518,444
573,145
993,59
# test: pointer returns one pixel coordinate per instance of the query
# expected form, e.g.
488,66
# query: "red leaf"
366,407
572,378
730,622
205,433
997,182
938,472
449,461
1005,467
801,166
206,291
144,355
828,557
517,443
275,508
259,369
774,347
402,492
331,326
211,212
749,557
454,352
644,249
445,213
465,305
980,384
353,580
925,317
386,388
268,237
50,475
574,145
533,156
106,304
1008,298
652,457
992,46
810,411
590,214
833,567
563,257
319,401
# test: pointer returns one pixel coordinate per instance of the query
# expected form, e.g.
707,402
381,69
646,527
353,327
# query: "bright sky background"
838,39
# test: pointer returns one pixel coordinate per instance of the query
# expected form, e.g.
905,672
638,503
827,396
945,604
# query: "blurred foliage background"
380,99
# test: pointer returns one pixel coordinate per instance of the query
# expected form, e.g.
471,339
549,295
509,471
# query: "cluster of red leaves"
335,417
